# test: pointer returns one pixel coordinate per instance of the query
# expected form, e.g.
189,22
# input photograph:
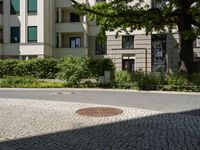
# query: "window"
14,7
127,41
32,6
74,17
15,34
75,42
1,7
32,34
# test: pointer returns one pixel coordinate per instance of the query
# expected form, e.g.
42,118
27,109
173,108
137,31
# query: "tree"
129,15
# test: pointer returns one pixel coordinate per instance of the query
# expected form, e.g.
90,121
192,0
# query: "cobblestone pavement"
51,125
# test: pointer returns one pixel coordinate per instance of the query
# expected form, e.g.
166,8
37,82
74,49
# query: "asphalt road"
166,102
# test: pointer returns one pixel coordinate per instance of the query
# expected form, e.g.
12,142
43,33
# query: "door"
128,64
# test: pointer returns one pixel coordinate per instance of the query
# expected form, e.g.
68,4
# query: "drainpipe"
145,60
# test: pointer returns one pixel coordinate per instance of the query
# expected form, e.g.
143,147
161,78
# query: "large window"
32,6
15,34
127,42
32,34
14,6
74,17
75,42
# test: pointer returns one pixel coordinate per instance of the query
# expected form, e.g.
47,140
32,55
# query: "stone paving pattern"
51,125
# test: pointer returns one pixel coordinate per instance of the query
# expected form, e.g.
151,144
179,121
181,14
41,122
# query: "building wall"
141,51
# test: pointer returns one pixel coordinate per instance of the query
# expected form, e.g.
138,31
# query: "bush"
123,79
37,68
177,82
7,67
196,79
148,81
74,69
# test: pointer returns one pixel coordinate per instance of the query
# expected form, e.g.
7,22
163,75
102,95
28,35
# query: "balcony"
71,27
66,3
62,52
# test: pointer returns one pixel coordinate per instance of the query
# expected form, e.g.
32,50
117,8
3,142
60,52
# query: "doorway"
129,65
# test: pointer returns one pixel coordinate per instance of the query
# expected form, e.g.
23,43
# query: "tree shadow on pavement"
174,131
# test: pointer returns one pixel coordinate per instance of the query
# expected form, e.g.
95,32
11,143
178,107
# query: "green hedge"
37,68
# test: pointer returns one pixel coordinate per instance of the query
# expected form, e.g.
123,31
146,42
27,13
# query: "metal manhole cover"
99,111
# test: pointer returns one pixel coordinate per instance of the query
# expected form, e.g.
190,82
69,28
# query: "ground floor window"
128,63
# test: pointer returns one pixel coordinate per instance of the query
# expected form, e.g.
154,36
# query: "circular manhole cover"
99,111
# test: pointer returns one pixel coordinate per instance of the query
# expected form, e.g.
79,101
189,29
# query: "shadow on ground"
160,132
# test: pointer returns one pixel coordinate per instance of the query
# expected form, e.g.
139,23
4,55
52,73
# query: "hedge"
71,69
37,68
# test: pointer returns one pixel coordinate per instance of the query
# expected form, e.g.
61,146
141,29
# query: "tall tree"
163,16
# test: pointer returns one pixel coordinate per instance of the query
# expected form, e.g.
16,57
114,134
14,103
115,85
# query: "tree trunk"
186,55
186,44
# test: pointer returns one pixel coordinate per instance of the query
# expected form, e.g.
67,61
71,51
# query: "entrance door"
128,64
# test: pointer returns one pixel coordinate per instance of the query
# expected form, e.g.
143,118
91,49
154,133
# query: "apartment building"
44,28
155,52
51,28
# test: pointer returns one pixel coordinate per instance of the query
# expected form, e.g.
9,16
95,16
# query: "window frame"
71,18
11,39
12,9
70,44
123,44
32,41
32,11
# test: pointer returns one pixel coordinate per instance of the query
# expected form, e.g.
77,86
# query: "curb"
101,90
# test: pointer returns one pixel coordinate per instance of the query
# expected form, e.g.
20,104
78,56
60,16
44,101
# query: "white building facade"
44,28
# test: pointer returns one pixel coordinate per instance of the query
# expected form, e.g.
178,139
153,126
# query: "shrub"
74,69
97,67
196,79
123,77
148,81
177,82
7,67
38,68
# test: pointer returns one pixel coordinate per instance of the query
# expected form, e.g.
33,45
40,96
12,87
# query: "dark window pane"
15,34
75,42
128,42
32,34
32,5
74,17
14,6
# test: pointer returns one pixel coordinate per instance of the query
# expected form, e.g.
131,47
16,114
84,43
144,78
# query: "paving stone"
51,125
